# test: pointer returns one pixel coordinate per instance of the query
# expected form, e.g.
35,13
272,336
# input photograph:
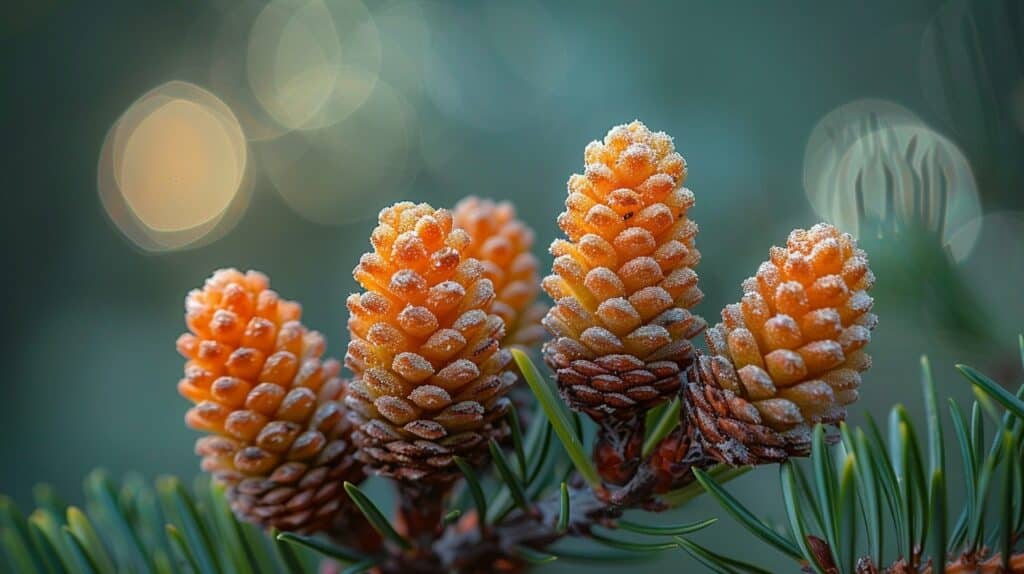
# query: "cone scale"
502,243
277,436
623,284
430,373
623,281
789,355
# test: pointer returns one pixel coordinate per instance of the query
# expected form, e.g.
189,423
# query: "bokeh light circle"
228,75
172,169
909,176
345,172
486,59
307,61
405,41
833,136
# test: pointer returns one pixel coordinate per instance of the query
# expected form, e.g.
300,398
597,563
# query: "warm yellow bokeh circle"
172,167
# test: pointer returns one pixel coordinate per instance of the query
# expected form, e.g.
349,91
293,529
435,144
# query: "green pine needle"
85,534
322,546
534,557
796,521
177,502
631,546
555,411
826,489
508,477
667,530
666,422
287,556
181,547
377,519
517,443
939,526
18,552
994,390
720,473
100,490
849,525
563,508
1008,519
473,483
745,517
717,562
936,448
83,560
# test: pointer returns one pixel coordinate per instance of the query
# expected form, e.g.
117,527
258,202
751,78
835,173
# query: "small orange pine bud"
277,433
430,373
623,280
502,243
791,353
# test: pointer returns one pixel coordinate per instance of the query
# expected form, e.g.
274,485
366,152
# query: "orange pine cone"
790,354
623,281
430,373
277,432
502,243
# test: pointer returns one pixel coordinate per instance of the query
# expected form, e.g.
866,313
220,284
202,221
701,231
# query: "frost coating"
502,243
430,373
790,354
622,279
277,435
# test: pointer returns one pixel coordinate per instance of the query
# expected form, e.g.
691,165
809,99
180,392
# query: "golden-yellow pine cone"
623,279
503,243
277,435
793,347
430,371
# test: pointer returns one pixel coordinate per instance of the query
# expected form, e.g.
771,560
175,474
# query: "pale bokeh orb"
173,167
307,60
228,75
347,171
491,57
833,136
906,176
178,169
405,41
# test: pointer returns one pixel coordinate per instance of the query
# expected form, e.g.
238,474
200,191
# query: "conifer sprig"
864,476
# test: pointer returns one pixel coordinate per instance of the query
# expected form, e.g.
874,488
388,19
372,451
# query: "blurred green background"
432,101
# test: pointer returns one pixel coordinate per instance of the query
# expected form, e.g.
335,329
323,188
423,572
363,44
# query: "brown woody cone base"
674,459
617,448
299,497
731,430
613,385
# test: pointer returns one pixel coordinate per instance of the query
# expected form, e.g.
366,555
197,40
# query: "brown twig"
468,549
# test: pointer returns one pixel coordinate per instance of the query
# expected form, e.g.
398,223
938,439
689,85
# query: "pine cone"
278,436
623,282
431,376
502,243
790,354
